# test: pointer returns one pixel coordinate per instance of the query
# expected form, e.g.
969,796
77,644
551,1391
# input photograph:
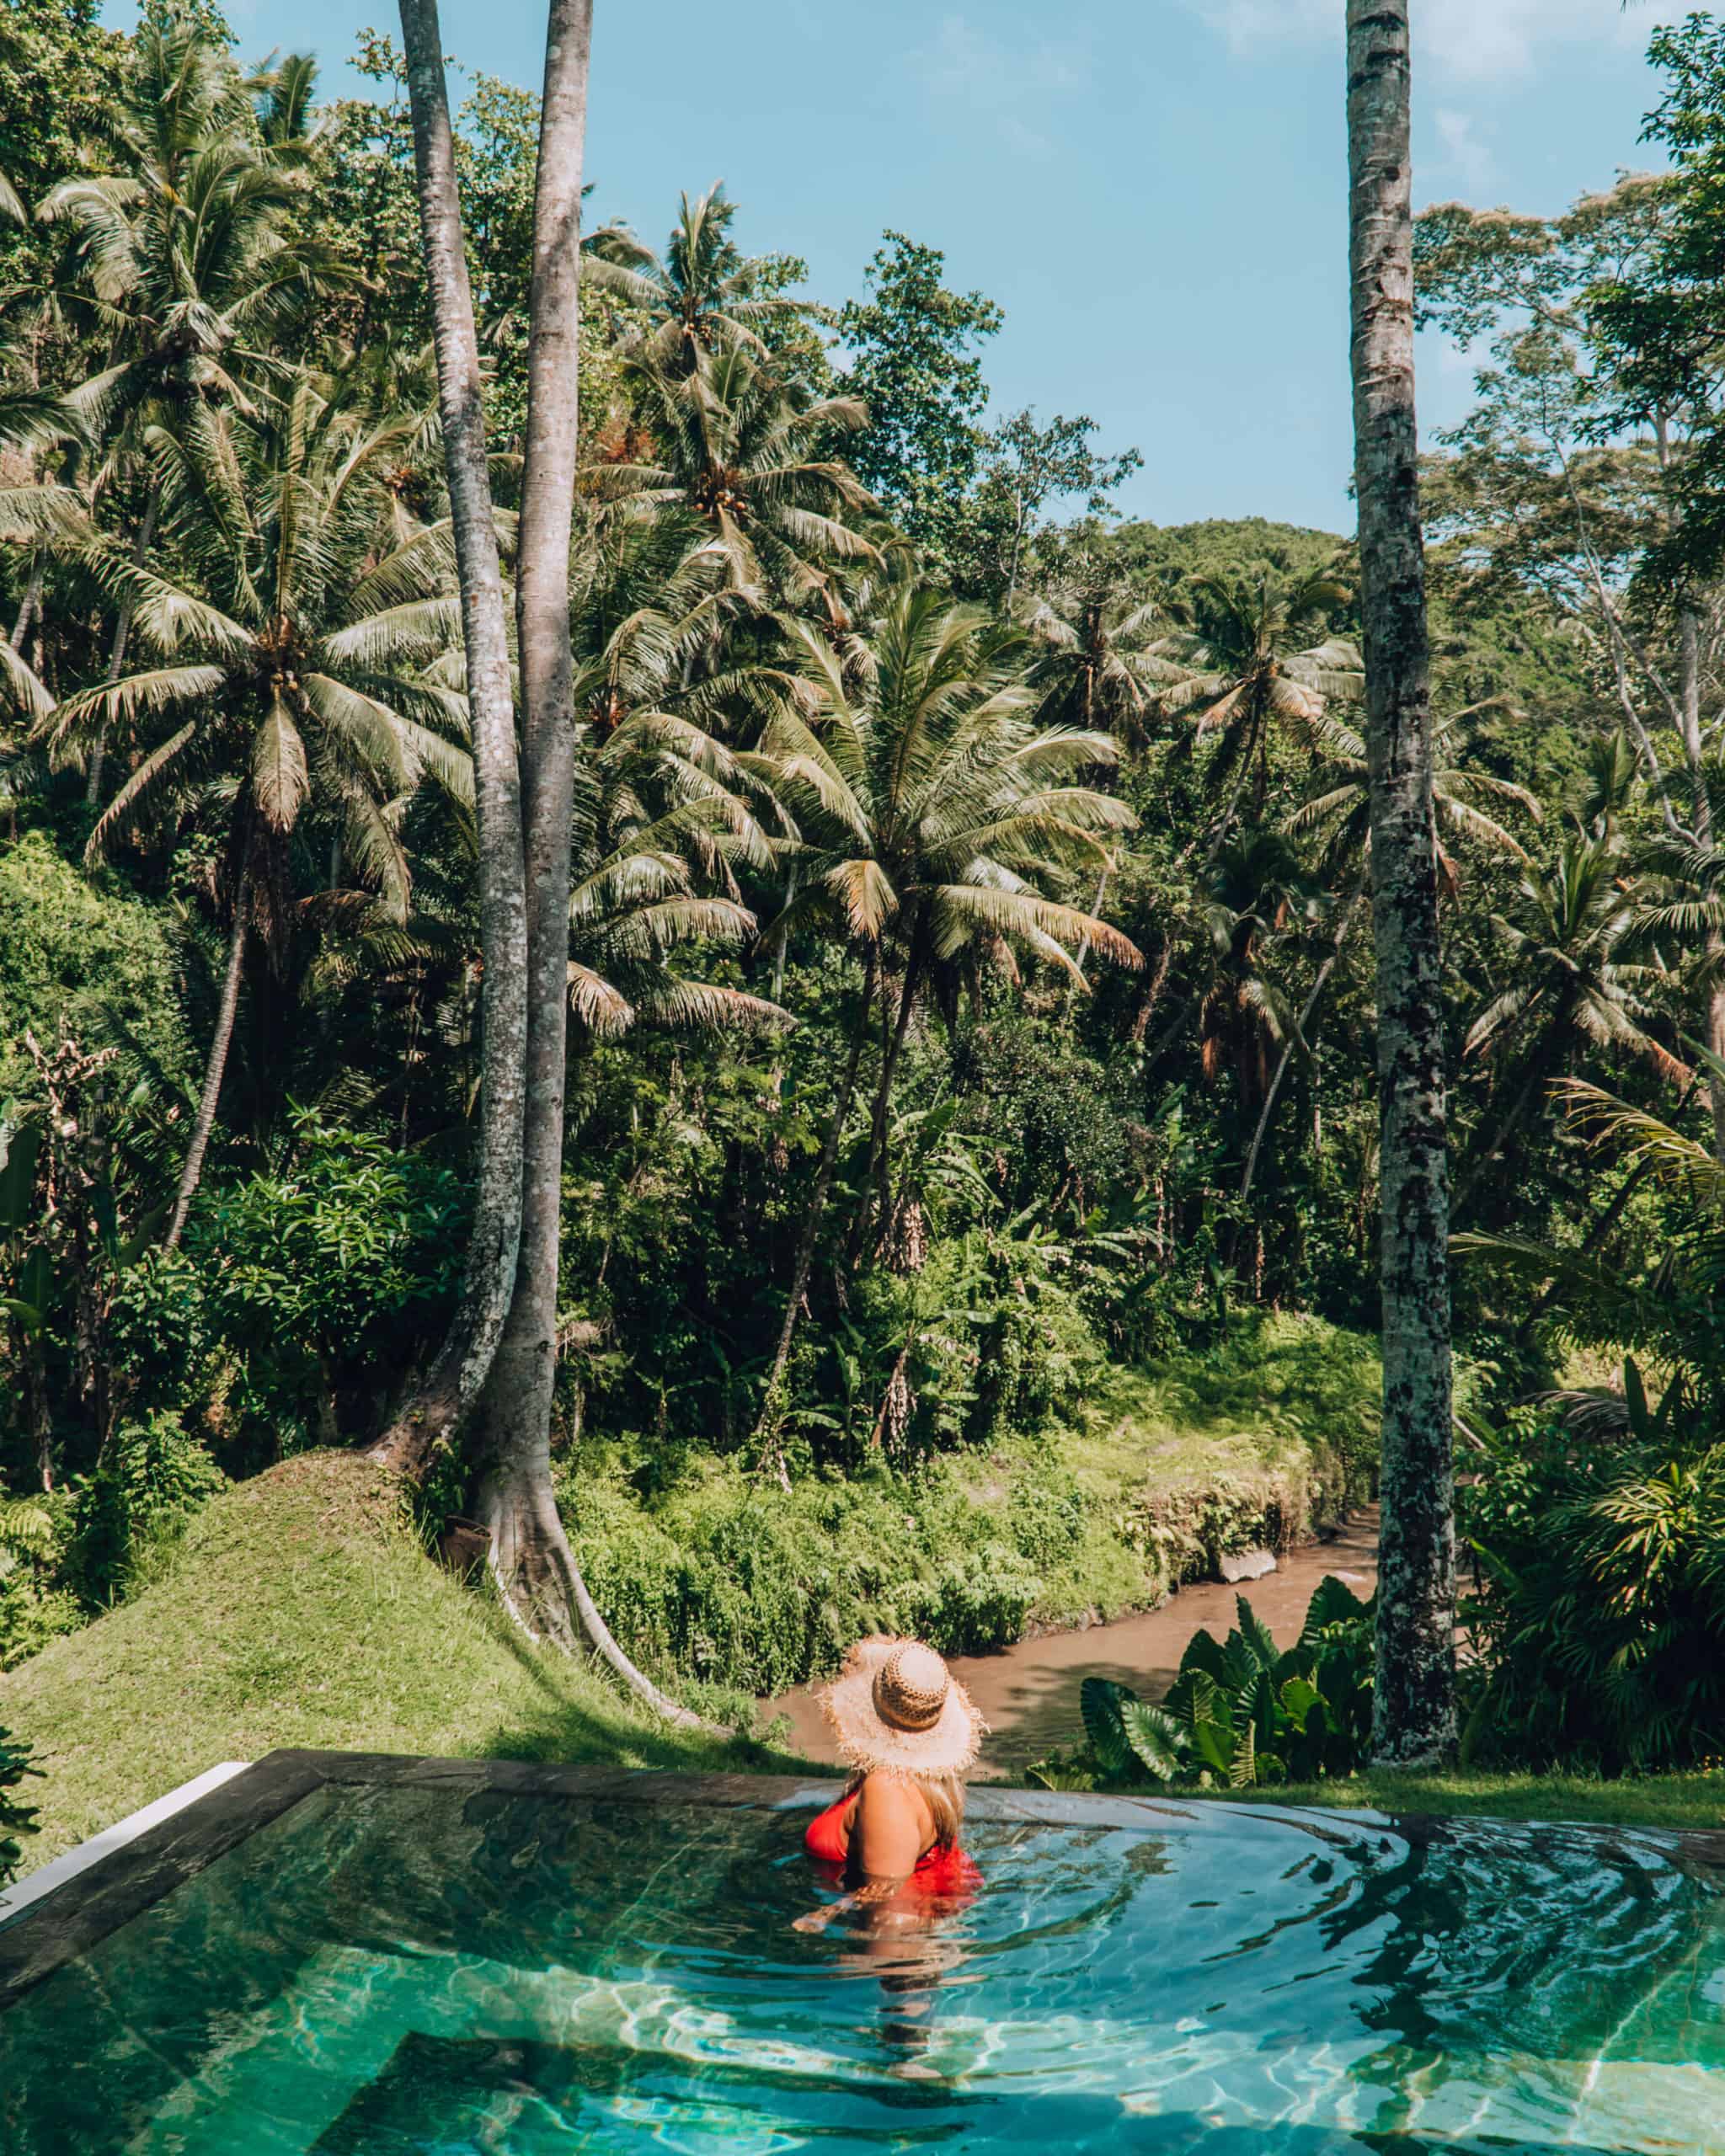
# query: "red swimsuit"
939,1871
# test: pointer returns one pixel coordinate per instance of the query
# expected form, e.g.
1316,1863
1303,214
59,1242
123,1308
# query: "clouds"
1009,82
1462,41
1463,151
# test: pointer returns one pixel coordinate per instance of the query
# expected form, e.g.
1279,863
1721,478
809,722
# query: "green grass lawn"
1687,1802
298,1612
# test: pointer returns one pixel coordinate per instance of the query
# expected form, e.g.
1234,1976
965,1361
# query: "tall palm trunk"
216,1067
810,1235
432,1415
530,1557
122,637
1689,703
1414,1715
27,607
876,1202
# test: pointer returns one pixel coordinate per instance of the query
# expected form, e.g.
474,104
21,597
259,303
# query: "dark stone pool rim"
85,1910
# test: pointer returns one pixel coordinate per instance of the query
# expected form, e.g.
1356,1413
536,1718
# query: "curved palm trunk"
436,1410
1318,986
804,1264
1414,1711
215,1068
122,637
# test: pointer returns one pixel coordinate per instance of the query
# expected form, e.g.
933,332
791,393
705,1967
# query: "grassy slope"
297,1613
1673,1800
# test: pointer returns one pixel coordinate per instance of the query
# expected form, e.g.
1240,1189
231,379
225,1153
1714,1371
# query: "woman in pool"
906,1728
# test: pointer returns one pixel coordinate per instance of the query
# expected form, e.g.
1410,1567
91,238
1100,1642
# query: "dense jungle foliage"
1096,1090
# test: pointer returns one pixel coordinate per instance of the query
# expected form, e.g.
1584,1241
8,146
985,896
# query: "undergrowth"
709,1572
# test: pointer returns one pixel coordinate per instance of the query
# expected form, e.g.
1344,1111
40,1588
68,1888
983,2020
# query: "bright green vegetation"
300,1611
725,1577
1682,1803
969,1175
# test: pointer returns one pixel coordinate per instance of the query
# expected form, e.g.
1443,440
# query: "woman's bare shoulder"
893,1824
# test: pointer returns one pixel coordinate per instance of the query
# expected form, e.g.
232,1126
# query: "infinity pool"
442,1968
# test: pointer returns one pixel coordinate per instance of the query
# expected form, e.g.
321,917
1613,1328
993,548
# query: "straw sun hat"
896,1706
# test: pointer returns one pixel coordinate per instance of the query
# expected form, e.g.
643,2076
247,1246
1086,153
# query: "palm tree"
186,259
1345,808
745,460
702,297
1682,913
1256,894
434,1411
292,672
1248,668
665,814
1093,639
1414,1698
1570,984
932,810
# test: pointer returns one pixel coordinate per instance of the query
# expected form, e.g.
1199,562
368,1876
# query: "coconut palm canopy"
932,805
297,656
702,297
751,463
1259,658
1460,789
665,813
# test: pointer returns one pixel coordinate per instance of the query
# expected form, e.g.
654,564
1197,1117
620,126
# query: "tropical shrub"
1240,1713
1597,1630
149,1479
15,1819
34,1607
321,1279
738,1584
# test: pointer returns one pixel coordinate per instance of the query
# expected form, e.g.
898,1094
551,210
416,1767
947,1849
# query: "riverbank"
1028,1691
712,1575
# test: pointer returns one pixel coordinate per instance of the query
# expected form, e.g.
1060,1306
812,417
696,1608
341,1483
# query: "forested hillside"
969,998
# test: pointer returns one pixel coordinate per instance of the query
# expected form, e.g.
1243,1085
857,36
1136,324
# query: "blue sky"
1153,190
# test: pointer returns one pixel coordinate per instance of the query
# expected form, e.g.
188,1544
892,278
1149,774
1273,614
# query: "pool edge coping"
40,1933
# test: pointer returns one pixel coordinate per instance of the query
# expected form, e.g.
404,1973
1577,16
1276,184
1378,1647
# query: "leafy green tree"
1022,468
915,371
1657,313
293,674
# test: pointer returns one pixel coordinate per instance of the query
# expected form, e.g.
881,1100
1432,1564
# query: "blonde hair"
944,1794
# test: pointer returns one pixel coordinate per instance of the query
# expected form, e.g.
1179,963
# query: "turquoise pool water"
402,1972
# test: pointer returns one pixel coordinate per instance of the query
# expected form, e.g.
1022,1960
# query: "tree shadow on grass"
561,1725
